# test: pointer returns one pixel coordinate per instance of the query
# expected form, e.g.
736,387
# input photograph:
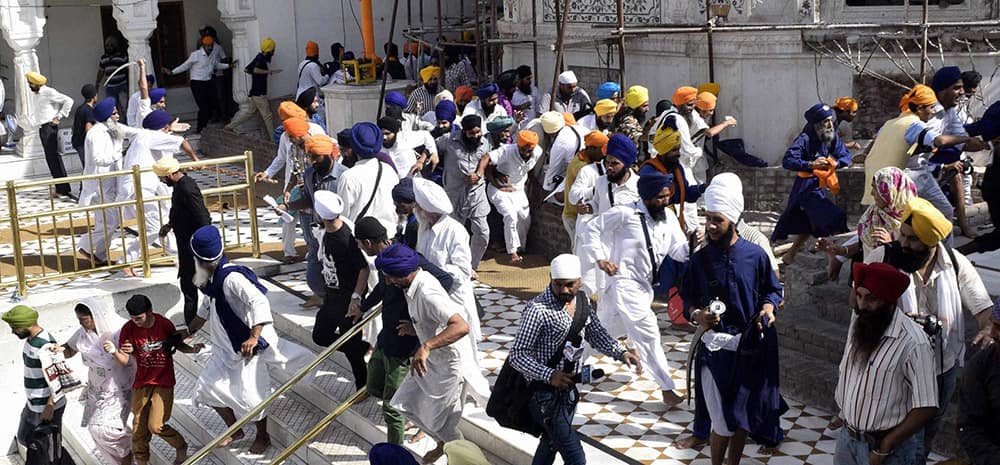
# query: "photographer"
943,282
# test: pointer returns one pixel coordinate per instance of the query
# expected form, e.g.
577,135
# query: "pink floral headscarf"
895,189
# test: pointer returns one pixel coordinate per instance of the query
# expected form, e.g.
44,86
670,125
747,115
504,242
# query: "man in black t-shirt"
259,70
345,272
83,119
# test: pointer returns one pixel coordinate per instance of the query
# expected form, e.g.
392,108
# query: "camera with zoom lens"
929,323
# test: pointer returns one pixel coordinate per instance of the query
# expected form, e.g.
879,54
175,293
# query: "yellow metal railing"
21,223
288,385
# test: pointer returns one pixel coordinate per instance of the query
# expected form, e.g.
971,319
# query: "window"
167,45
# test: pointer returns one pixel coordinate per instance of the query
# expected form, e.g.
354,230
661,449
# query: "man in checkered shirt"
545,322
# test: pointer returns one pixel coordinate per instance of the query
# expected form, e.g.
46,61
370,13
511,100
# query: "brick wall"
766,189
217,142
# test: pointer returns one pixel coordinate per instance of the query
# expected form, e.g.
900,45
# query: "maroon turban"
882,280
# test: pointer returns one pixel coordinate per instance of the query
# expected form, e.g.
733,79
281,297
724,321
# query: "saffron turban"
651,184
705,102
552,122
622,148
328,205
36,78
403,192
463,94
818,112
608,90
289,109
445,111
595,138
725,196
166,166
21,317
945,78
431,197
499,124
397,260
296,127
527,137
919,95
366,139
684,95
206,243
395,98
710,87
636,96
156,120
565,266
156,95
470,122
104,109
567,77
320,144
486,90
429,72
928,223
267,45
884,281
605,106
312,49
568,118
666,139
846,104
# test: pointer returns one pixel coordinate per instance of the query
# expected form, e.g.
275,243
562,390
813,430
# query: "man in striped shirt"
887,389
42,407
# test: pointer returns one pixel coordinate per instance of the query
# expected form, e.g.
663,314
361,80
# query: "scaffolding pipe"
689,28
923,48
489,49
621,43
534,37
438,39
385,72
559,52
711,46
476,37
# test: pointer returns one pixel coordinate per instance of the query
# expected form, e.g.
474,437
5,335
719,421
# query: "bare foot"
671,398
515,259
433,455
260,443
690,442
475,275
417,437
833,267
182,455
130,272
313,302
231,439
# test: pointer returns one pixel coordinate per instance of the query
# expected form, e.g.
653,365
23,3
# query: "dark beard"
169,182
869,328
658,213
431,89
601,124
525,89
438,132
489,110
726,238
910,261
640,117
616,178
386,143
471,143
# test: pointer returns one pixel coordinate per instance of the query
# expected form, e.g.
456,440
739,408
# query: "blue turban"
403,192
499,124
486,90
397,260
157,94
395,98
366,139
622,148
445,111
650,184
818,112
104,109
385,453
989,126
206,243
945,78
150,80
608,90
156,120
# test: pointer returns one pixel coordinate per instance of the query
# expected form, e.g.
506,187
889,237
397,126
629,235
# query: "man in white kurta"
244,343
409,150
431,395
617,242
505,190
367,186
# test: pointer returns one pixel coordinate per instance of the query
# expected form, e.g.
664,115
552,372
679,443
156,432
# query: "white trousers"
713,401
513,207
625,309
152,220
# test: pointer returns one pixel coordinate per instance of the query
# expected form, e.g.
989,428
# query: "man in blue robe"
736,361
810,211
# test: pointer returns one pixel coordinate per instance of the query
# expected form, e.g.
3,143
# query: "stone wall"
766,189
217,142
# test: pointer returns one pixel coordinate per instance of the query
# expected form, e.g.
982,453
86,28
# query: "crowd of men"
395,212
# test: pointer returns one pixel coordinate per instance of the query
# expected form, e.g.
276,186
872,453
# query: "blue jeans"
925,437
314,269
554,411
850,451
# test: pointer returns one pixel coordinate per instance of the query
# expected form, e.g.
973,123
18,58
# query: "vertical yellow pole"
140,219
15,230
251,204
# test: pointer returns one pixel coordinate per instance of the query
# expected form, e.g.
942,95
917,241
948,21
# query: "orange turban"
684,95
296,127
920,95
595,139
289,109
846,104
312,49
569,118
320,144
207,40
527,137
463,94
705,101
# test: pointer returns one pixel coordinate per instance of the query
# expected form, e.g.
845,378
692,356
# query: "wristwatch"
355,296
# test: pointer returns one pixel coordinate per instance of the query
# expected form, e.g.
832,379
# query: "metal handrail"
358,396
288,385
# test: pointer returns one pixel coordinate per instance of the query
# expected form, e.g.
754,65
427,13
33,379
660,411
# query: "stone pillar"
136,21
23,24
241,18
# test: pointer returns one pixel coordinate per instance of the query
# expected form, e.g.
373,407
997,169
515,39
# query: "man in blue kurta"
736,362
810,211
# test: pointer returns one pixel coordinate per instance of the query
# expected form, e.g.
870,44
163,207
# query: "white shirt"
49,104
218,54
201,64
356,186
446,244
287,153
402,152
589,122
583,186
568,142
104,155
617,236
507,159
145,149
624,193
247,303
537,102
310,75
138,109
475,107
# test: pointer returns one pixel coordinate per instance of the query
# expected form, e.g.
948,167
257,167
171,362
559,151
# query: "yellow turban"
430,72
684,95
464,452
666,139
846,104
568,118
928,223
595,139
36,78
320,144
267,45
20,317
710,87
166,166
636,96
296,127
705,101
920,95
289,109
605,106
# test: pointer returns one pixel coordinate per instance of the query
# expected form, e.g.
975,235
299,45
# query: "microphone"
587,375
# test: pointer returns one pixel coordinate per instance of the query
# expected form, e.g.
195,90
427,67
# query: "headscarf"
883,280
104,109
651,184
156,120
464,452
929,224
166,166
36,78
608,90
486,90
896,189
312,49
705,101
622,148
296,127
846,104
724,195
918,95
499,124
605,106
366,139
552,122
290,109
395,98
397,260
320,144
710,87
431,197
106,323
565,266
429,72
403,192
597,139
684,95
945,78
818,112
636,96
445,111
567,77
21,317
328,205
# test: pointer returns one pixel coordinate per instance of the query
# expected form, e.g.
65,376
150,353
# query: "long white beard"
113,130
202,274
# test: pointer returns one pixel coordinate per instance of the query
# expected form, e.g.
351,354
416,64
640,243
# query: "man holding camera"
943,282
884,408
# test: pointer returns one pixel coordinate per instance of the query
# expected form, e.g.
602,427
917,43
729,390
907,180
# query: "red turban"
882,280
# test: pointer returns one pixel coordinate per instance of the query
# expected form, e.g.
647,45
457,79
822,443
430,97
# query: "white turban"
328,205
567,77
725,196
431,197
552,122
565,266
